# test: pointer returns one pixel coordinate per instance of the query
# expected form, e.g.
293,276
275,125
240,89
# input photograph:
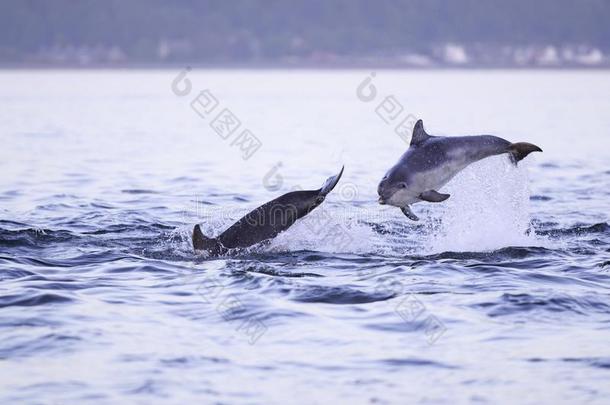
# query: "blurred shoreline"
292,66
338,34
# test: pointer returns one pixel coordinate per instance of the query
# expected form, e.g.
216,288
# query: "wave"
33,298
579,230
517,303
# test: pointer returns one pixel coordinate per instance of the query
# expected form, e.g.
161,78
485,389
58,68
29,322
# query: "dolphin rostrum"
266,221
431,161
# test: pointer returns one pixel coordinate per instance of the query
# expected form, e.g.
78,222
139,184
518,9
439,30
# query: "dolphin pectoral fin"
408,213
433,196
331,182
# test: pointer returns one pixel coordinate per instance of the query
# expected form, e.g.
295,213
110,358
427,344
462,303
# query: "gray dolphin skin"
431,161
266,221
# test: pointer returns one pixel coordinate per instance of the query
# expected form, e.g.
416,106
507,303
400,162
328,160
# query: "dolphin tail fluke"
331,182
518,151
202,242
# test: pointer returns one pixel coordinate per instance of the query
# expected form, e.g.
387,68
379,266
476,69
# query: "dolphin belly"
435,178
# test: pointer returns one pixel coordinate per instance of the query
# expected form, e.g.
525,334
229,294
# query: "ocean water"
500,294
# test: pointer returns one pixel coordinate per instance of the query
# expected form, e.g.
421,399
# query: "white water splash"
330,229
489,209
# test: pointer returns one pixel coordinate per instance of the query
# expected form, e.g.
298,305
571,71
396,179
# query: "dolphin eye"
403,185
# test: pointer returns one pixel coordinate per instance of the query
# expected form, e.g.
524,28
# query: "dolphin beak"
381,201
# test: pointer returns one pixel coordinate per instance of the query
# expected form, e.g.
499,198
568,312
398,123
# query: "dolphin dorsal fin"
419,134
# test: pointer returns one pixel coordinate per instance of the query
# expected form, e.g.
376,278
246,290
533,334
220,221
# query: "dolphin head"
393,189
396,186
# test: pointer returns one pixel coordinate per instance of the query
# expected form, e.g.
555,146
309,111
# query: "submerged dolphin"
266,221
431,161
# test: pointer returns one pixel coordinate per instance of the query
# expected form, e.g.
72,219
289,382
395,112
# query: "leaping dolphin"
266,221
431,161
